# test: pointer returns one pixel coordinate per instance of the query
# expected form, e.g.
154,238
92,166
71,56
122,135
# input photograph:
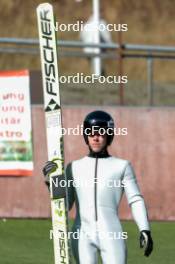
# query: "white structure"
94,33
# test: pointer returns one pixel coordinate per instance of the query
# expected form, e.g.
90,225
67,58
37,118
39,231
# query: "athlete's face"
97,142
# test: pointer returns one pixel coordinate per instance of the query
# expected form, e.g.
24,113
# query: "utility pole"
96,16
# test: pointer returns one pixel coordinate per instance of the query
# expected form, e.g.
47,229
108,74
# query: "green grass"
27,242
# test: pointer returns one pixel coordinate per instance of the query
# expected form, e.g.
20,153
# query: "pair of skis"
53,120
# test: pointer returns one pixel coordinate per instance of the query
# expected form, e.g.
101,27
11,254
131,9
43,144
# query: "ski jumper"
98,182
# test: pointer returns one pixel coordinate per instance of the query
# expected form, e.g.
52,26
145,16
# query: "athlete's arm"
138,208
71,189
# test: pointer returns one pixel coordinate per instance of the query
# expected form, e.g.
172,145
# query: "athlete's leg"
84,249
113,251
87,252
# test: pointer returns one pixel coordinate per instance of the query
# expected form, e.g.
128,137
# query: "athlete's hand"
49,167
146,242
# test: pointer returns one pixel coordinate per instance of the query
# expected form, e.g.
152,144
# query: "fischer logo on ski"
48,52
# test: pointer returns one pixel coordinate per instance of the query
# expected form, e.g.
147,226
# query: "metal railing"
149,52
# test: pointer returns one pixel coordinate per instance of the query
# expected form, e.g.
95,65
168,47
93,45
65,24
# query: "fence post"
120,56
150,81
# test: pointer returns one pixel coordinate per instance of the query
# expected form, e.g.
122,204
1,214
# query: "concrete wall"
149,145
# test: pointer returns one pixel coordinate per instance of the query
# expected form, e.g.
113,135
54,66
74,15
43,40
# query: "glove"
49,167
58,191
146,242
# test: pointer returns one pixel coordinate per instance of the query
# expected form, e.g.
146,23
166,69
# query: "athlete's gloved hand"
146,242
49,167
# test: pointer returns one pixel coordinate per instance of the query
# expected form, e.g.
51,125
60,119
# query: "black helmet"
99,119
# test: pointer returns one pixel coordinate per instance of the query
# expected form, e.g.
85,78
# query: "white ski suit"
97,186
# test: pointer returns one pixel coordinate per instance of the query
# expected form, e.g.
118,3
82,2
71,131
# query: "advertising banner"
15,124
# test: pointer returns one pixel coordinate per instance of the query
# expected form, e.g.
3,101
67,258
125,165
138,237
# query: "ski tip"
44,6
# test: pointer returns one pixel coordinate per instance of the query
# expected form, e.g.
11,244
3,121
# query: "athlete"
96,184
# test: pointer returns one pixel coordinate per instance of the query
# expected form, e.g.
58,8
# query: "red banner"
15,124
